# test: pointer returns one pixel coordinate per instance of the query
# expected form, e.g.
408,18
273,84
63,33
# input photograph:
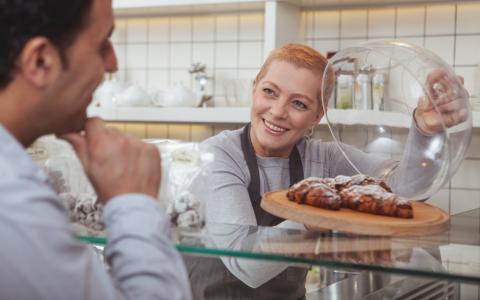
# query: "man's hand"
450,99
115,163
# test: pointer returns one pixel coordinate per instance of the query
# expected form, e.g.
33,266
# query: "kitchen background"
156,50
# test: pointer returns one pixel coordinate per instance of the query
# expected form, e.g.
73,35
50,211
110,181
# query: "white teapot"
177,96
134,95
106,93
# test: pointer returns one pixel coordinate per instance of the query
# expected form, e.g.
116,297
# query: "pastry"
316,193
342,182
359,192
374,199
321,195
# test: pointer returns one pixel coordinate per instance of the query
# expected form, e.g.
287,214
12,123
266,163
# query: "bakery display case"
345,266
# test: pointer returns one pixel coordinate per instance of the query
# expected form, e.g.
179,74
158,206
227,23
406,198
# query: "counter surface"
454,254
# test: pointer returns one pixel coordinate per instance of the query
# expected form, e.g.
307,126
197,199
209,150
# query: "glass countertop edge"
327,263
302,260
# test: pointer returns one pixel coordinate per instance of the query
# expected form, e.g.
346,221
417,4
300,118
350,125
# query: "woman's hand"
450,99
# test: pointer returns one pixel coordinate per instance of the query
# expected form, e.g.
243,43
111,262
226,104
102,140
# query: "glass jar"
363,89
378,90
344,91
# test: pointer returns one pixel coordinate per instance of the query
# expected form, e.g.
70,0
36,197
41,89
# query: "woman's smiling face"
285,107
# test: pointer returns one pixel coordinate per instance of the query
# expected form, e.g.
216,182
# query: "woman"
272,153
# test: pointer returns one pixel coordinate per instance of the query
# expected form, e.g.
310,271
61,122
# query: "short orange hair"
301,56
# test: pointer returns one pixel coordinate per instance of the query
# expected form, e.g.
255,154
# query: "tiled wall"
157,52
450,30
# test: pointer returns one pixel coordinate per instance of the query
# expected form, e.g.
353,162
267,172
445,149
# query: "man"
53,54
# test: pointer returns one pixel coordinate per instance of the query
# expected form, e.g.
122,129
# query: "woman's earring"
310,133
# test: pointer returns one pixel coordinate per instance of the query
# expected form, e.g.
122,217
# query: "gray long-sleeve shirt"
229,177
40,258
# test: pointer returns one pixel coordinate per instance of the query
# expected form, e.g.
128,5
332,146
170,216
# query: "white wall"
450,30
157,52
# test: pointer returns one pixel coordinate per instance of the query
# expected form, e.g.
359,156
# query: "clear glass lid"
415,111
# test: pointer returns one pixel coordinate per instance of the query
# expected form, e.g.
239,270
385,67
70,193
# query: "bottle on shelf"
378,90
363,88
344,92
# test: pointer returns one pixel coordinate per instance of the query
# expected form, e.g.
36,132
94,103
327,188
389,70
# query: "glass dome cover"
394,84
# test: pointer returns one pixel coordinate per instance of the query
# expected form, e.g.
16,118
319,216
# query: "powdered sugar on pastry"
359,192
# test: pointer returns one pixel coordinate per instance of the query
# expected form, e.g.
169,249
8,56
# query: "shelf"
368,117
312,4
173,7
234,115
241,115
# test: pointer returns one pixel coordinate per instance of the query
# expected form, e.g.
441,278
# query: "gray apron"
210,279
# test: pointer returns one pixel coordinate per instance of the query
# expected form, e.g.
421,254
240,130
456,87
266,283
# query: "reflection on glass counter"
223,259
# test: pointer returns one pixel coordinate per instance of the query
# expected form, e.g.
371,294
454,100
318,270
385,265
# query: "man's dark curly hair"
21,20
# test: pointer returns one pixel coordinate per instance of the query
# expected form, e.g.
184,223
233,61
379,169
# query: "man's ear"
39,62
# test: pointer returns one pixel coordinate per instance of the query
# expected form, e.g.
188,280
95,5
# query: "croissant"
374,199
360,193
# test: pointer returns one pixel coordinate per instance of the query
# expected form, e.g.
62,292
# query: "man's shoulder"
9,168
25,187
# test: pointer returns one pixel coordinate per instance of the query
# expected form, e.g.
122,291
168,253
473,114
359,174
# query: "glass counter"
453,255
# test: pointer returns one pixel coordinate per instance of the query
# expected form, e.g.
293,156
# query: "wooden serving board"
426,219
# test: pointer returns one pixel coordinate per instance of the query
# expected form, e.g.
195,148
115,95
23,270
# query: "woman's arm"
411,175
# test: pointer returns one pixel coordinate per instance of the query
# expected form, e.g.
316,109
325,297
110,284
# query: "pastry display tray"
427,219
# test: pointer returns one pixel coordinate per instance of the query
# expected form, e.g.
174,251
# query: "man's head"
21,20
52,56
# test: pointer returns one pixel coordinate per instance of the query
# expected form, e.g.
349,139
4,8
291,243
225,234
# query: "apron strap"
295,169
